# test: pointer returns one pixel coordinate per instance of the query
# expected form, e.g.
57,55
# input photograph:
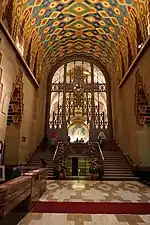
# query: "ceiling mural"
99,29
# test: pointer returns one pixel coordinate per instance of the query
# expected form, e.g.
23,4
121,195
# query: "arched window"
20,39
139,37
78,93
122,65
28,57
35,65
129,53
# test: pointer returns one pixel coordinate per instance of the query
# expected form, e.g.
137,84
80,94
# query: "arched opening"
35,65
78,93
20,42
129,53
139,37
28,57
122,65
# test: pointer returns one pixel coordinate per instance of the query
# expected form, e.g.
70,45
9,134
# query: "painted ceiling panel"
95,28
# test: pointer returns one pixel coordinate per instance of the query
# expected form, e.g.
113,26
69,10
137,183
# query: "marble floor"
91,191
84,219
96,191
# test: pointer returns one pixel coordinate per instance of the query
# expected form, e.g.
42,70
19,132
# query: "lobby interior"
78,70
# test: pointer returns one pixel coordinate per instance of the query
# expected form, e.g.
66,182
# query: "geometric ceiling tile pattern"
95,28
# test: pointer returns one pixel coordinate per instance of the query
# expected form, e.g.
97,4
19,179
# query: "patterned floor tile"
91,191
84,219
117,191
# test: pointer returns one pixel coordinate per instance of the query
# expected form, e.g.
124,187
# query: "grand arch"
105,84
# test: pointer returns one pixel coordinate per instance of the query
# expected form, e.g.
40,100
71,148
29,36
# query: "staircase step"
116,167
120,178
35,162
117,170
118,174
115,164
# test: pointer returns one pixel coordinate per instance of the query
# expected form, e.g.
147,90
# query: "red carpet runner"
92,207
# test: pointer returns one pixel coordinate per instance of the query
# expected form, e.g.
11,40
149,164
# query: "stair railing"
56,151
100,150
29,156
127,157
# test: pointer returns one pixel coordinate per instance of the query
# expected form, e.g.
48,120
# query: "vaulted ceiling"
103,30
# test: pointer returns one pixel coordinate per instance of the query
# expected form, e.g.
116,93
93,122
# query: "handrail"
125,154
56,151
100,150
29,156
31,153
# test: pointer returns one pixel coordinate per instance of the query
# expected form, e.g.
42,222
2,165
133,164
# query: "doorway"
78,166
74,166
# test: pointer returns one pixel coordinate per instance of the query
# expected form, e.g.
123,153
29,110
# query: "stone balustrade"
30,186
14,192
38,185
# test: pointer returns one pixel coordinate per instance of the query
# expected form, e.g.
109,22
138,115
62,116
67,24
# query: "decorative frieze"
142,106
148,16
16,103
1,72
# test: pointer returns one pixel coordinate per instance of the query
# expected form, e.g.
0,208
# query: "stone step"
120,178
38,160
115,166
38,163
114,157
115,162
117,174
118,169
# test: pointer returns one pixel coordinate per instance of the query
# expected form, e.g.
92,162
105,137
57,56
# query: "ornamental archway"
78,92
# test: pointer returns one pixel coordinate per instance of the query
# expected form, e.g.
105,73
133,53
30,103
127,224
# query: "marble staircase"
35,162
116,166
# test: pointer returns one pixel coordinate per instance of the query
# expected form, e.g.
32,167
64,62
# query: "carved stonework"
142,107
0,57
1,71
16,103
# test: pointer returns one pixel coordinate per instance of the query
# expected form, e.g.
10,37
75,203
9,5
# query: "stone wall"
21,137
133,137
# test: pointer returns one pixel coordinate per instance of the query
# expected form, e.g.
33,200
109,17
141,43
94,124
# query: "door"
75,166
